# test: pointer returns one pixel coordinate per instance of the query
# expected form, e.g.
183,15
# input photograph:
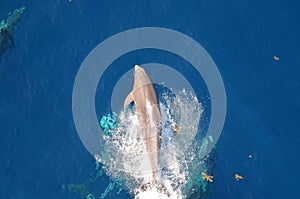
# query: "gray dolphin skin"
147,109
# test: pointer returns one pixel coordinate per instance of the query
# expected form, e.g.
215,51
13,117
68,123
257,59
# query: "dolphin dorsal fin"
128,99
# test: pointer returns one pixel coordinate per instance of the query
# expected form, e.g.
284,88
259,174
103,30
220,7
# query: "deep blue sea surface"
39,147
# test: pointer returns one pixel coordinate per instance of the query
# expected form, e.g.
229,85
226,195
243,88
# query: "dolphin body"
147,109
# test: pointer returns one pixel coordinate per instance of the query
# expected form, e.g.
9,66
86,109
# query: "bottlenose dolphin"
147,109
6,28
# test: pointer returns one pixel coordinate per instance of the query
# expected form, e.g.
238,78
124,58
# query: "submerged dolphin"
147,109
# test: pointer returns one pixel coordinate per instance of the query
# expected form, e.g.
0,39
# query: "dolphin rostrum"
147,109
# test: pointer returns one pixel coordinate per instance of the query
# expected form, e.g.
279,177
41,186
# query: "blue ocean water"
40,149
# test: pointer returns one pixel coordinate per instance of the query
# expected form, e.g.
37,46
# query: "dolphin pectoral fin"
128,99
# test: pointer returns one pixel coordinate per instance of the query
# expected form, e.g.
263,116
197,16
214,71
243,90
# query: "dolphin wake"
125,157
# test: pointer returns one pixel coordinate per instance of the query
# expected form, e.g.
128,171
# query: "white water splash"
127,159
